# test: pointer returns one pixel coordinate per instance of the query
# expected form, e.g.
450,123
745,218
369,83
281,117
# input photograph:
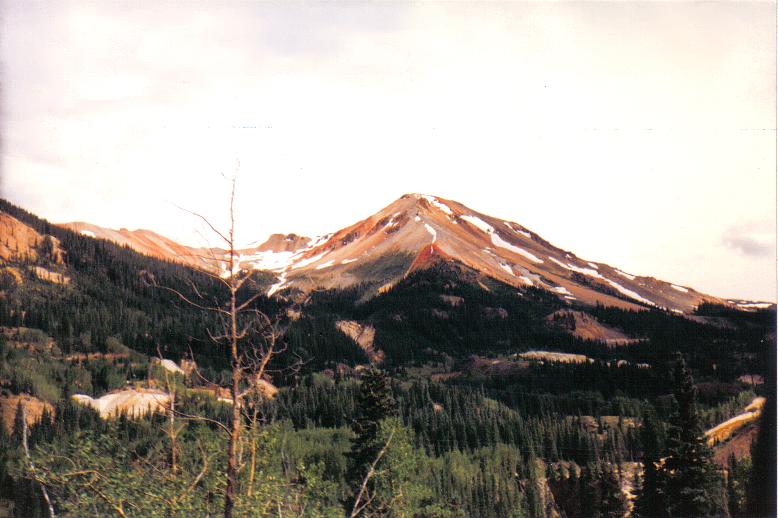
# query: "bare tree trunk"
173,435
253,463
26,449
232,451
258,335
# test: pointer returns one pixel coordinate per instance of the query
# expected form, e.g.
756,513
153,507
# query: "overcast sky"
638,134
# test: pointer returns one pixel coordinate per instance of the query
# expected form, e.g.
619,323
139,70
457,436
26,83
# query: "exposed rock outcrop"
364,336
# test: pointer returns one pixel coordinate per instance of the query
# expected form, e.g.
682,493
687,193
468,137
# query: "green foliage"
650,499
689,480
375,403
738,473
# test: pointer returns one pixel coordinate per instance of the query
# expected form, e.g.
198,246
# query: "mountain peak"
420,230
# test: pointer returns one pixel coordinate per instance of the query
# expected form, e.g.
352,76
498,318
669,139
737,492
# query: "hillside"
506,392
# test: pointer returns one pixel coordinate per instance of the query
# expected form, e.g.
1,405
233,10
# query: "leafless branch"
359,506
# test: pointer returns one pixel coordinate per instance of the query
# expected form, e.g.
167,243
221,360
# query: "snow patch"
518,230
432,232
417,219
270,260
585,271
279,285
557,261
310,260
88,233
437,203
316,241
479,223
679,288
561,290
326,265
527,280
507,268
628,276
347,261
593,266
629,293
498,241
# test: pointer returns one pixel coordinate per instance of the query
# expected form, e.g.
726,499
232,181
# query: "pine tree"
690,481
375,403
614,503
591,491
649,502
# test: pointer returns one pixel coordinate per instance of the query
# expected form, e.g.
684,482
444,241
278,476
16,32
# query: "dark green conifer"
375,402
649,502
690,481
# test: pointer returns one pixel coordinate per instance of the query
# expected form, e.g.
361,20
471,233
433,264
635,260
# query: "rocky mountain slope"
414,232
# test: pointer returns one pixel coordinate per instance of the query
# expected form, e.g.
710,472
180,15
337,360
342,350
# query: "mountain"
416,231
488,371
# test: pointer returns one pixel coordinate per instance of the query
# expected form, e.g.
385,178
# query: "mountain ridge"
425,228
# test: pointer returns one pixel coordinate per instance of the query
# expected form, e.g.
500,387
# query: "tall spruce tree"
690,481
650,500
375,403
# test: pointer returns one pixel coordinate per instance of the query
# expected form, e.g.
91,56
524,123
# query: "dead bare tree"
251,338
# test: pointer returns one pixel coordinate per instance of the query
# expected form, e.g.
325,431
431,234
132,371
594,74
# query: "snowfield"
270,260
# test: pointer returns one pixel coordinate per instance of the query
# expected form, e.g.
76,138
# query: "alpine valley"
430,360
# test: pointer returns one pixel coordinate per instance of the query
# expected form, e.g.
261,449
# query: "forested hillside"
455,415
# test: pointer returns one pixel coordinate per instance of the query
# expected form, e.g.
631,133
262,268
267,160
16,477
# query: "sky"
639,134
